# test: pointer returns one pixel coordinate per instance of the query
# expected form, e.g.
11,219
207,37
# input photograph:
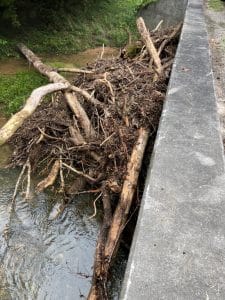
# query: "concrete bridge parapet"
178,251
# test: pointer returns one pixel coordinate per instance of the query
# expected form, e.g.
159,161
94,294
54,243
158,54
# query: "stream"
42,258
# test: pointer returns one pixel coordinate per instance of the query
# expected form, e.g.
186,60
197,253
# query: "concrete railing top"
178,251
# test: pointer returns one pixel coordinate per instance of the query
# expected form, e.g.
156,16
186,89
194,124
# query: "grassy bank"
15,89
216,5
85,26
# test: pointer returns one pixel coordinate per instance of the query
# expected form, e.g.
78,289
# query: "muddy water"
14,65
41,258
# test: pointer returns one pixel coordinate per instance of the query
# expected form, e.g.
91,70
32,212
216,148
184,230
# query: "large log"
71,98
31,104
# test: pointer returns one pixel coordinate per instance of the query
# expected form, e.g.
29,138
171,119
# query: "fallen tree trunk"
110,246
53,76
31,104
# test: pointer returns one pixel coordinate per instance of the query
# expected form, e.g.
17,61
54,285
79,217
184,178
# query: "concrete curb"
178,249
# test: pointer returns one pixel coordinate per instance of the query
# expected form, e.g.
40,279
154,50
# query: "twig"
108,138
27,196
107,83
79,172
74,70
95,209
62,182
87,96
158,26
18,181
103,51
89,192
47,136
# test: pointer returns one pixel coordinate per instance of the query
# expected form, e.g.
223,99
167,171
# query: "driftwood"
31,104
50,180
106,251
149,44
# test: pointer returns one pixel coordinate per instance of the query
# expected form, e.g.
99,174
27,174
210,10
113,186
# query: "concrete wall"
170,11
178,251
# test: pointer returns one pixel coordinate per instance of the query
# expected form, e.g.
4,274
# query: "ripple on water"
45,259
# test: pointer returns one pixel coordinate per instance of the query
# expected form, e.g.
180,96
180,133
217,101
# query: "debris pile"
90,135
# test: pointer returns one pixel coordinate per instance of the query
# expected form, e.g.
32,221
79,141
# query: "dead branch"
18,183
55,77
129,186
119,219
51,178
27,196
94,204
31,104
74,70
158,26
103,51
87,96
149,44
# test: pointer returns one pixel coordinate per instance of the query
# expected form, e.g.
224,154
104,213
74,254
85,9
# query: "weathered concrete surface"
170,11
178,250
215,21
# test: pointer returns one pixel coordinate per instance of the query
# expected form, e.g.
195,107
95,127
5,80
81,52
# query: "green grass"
216,5
96,23
15,89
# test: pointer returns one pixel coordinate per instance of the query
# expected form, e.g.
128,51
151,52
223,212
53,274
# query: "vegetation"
216,5
60,29
15,89
73,27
